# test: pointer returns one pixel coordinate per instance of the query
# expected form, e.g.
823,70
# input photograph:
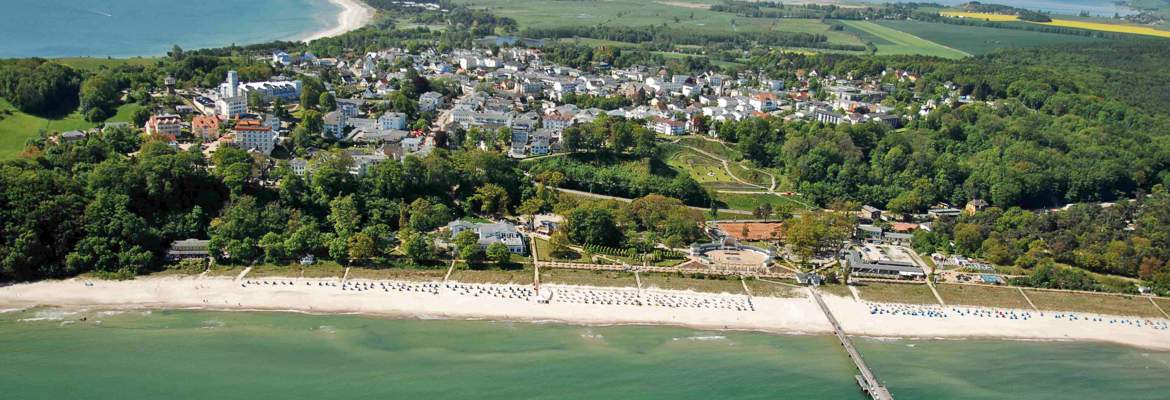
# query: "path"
243,274
868,382
344,276
1155,306
449,270
1030,303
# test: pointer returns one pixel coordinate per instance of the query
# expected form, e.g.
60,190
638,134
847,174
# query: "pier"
866,380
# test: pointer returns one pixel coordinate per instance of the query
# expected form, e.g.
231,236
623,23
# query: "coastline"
354,14
797,316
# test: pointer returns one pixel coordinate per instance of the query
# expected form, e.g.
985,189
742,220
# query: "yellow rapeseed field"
1095,26
976,15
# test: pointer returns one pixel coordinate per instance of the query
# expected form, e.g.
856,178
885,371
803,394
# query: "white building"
254,134
392,120
430,101
168,124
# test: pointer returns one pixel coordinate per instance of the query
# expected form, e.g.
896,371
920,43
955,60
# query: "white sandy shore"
354,14
778,315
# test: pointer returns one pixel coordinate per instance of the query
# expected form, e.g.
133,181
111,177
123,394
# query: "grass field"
892,41
982,296
16,127
587,278
837,290
1164,303
1101,304
896,293
700,167
93,63
769,289
676,282
749,202
518,276
982,40
398,274
713,147
322,270
1067,23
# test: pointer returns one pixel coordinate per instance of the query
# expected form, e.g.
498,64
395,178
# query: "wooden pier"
866,380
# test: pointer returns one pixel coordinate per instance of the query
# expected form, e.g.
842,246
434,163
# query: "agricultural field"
982,296
896,293
893,41
982,40
691,15
1067,23
1101,304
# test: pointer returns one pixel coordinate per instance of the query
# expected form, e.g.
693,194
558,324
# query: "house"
665,126
206,127
70,136
254,134
497,232
974,206
870,213
430,101
392,120
299,166
763,102
168,124
334,125
188,249
872,262
281,58
557,122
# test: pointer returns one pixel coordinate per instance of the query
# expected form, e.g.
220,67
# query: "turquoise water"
119,28
199,355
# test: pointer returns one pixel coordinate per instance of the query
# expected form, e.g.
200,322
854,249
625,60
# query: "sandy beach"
798,315
354,14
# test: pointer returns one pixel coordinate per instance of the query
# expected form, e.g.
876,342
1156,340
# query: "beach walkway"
867,381
243,274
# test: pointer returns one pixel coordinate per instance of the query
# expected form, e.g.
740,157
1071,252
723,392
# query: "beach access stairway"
866,380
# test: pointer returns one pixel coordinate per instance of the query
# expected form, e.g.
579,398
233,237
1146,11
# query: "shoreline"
354,15
789,316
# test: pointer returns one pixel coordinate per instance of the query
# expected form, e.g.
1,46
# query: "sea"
52,353
125,28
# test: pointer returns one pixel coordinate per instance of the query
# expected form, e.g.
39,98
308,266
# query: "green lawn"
1100,304
982,296
713,147
981,40
893,41
16,127
897,293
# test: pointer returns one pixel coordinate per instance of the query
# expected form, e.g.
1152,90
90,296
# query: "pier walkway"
868,382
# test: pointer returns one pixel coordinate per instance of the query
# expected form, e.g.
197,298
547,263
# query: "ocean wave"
703,338
327,329
48,315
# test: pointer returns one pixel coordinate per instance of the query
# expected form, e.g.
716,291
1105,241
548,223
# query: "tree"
139,117
592,225
559,243
327,102
416,245
467,244
499,253
763,211
361,247
273,246
491,199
